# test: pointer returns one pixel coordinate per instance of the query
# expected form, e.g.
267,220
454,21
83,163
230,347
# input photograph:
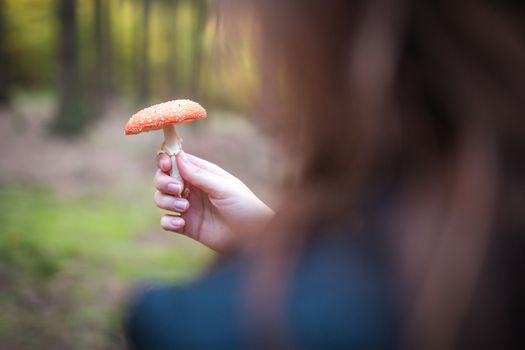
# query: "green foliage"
19,251
36,226
182,55
31,42
73,259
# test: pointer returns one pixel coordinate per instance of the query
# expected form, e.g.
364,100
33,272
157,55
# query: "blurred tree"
171,64
104,88
72,116
4,62
143,69
200,17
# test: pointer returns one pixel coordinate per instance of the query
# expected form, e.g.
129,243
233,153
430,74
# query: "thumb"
200,176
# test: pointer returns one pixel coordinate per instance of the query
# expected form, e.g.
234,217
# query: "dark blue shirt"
339,296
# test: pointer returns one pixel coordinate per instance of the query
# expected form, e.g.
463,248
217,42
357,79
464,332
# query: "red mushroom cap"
171,112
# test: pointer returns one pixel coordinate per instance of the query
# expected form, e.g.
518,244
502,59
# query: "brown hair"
424,96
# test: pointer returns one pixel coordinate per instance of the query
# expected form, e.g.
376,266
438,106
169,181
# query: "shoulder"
338,297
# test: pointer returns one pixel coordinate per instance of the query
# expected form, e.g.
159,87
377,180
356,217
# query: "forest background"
78,226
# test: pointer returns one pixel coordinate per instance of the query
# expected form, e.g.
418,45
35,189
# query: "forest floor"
78,227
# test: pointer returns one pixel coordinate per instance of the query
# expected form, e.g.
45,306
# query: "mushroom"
166,115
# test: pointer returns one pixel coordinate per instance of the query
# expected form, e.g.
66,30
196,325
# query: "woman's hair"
423,97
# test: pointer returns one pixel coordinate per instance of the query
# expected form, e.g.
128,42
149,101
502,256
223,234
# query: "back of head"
426,97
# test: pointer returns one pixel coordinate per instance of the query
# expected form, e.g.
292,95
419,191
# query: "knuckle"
159,182
161,158
155,199
158,199
156,178
221,190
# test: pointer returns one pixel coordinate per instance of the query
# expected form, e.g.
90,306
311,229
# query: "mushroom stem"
172,145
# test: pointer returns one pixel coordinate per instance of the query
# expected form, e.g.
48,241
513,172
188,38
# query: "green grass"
65,264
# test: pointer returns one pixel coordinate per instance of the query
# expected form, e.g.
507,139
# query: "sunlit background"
78,226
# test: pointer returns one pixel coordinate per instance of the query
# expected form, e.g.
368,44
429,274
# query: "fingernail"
181,204
177,222
174,188
170,222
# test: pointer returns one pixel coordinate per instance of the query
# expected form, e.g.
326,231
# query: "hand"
220,209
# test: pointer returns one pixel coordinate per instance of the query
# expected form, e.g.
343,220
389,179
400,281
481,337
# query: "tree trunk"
72,117
103,84
171,65
4,61
143,68
201,14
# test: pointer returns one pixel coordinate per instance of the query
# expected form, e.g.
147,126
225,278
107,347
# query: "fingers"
204,164
203,177
172,223
164,162
171,203
167,184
